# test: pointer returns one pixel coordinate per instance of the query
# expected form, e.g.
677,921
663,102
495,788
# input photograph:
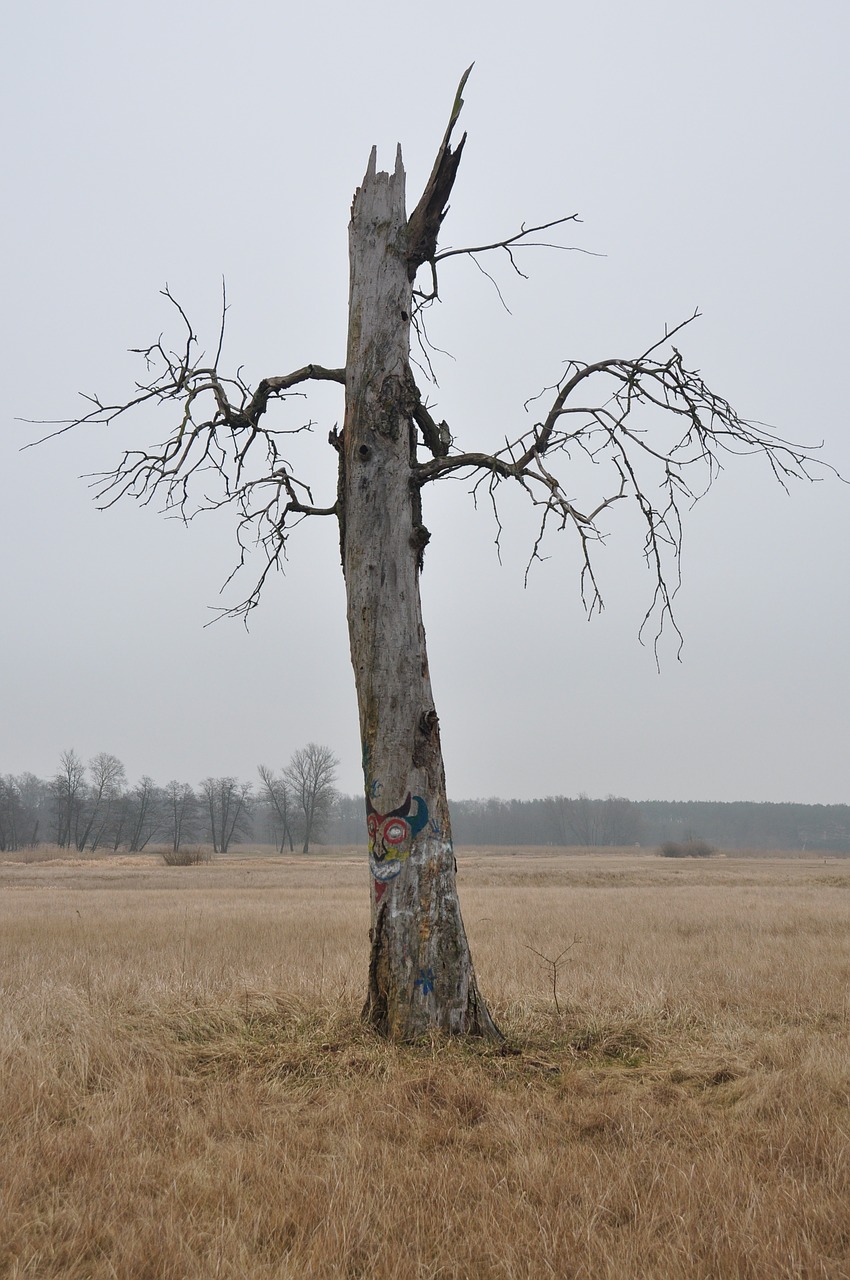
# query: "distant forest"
91,806
563,821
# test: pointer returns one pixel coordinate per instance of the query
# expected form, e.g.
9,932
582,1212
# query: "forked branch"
555,963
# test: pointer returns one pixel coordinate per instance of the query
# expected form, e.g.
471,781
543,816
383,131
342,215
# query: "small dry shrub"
687,849
186,856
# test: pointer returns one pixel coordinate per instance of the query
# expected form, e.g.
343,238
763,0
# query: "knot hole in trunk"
428,738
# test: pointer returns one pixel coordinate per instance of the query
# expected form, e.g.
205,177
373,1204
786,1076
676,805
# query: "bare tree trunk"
420,971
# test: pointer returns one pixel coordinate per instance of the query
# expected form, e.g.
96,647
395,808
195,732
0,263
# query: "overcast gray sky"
705,148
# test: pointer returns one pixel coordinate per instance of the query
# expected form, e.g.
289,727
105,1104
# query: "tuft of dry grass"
186,1089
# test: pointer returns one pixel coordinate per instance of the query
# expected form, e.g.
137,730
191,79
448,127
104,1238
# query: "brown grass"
186,1090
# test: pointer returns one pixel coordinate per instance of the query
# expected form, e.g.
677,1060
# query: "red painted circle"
395,831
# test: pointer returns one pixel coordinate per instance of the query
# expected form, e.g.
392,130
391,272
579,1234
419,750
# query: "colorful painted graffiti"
391,837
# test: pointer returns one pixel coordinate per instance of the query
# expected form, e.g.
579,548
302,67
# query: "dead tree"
644,429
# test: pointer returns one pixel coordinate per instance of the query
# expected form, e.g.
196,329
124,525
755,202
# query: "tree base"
404,1029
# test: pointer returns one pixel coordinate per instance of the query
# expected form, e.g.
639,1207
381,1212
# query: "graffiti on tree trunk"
391,837
425,981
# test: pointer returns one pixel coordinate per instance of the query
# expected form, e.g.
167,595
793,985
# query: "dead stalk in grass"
555,963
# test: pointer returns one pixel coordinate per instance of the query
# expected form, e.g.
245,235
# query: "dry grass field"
186,1091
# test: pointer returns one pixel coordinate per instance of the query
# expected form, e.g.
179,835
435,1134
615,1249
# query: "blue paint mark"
425,980
376,789
435,826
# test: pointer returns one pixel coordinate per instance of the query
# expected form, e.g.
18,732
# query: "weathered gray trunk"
420,972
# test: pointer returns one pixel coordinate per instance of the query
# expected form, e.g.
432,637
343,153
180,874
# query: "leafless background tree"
310,780
23,800
181,814
143,815
274,790
68,791
102,806
227,804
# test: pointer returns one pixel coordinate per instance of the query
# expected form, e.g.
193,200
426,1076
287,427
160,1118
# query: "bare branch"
520,239
493,282
657,434
220,451
465,462
517,241
426,346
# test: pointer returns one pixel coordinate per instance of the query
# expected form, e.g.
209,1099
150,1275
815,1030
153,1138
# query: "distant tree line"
748,824
564,821
91,806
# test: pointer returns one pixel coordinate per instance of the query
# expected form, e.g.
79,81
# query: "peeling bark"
420,971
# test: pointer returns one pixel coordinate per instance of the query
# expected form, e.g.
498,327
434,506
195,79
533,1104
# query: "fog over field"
704,149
